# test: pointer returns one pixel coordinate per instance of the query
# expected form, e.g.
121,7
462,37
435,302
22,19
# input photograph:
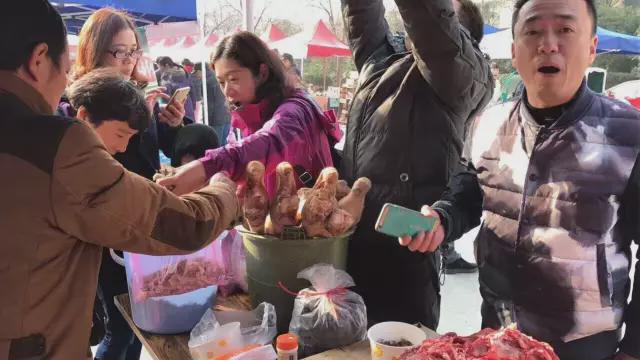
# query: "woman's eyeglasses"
123,54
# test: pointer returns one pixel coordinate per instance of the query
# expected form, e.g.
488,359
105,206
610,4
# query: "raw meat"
181,277
488,344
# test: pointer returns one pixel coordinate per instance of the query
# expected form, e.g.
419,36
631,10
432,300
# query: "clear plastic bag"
221,333
233,258
327,315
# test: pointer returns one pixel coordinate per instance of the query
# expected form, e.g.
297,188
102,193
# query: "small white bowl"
393,331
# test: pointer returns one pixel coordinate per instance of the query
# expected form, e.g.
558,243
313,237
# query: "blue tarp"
144,12
488,29
617,43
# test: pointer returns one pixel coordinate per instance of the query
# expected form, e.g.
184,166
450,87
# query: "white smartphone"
179,96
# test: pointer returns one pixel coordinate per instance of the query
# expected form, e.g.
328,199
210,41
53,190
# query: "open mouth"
548,70
234,105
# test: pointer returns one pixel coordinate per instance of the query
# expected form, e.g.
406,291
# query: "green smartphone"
398,221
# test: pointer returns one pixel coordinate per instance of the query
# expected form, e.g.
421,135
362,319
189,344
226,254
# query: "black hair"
166,61
249,51
107,95
287,56
470,17
591,8
24,25
194,140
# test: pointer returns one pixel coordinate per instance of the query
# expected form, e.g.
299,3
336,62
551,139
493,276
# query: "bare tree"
287,26
332,9
227,15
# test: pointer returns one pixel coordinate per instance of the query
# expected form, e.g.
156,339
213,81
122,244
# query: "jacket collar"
570,115
12,84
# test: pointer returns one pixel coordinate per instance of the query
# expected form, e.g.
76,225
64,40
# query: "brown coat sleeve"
96,200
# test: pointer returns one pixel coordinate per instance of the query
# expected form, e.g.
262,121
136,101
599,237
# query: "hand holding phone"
419,231
179,96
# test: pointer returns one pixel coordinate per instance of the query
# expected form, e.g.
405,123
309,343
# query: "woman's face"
123,53
238,83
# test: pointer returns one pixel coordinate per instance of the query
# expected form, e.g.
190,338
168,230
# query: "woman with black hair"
279,122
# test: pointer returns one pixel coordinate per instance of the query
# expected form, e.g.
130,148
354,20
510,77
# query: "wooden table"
175,347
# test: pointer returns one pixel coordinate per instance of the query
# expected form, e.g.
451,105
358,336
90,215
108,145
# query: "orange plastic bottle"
287,347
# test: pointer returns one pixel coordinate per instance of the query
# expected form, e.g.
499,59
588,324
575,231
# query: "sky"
298,11
302,11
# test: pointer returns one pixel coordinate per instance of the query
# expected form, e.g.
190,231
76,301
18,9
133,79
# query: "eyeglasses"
123,54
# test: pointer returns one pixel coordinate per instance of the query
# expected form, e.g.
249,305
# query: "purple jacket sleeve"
286,133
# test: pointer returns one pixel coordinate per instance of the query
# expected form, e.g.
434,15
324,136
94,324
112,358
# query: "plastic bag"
159,276
327,315
232,250
219,334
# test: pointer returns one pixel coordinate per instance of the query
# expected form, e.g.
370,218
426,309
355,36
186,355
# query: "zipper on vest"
541,136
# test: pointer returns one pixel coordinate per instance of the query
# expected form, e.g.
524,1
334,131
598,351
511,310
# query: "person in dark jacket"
219,117
555,176
192,142
108,40
177,78
64,197
405,133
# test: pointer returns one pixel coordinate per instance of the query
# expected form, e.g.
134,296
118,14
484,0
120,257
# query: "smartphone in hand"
398,221
179,96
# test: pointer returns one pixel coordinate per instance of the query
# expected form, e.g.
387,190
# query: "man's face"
552,48
56,79
115,135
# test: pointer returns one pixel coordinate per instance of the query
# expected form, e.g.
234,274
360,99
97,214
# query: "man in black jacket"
556,178
405,132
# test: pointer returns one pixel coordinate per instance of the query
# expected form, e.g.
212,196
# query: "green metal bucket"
271,260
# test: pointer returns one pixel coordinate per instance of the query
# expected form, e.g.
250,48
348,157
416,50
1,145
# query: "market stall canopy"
617,43
144,12
273,33
325,44
488,29
321,42
498,44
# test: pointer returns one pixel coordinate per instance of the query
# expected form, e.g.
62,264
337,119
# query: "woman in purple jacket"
278,121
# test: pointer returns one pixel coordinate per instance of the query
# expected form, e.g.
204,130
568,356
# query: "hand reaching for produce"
429,241
188,178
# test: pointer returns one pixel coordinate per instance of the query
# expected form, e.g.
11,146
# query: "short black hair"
107,95
194,140
166,61
470,17
24,25
287,56
591,8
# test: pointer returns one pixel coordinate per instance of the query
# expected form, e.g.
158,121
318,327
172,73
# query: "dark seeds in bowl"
397,343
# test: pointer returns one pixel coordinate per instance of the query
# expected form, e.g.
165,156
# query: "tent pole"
338,72
301,69
324,77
